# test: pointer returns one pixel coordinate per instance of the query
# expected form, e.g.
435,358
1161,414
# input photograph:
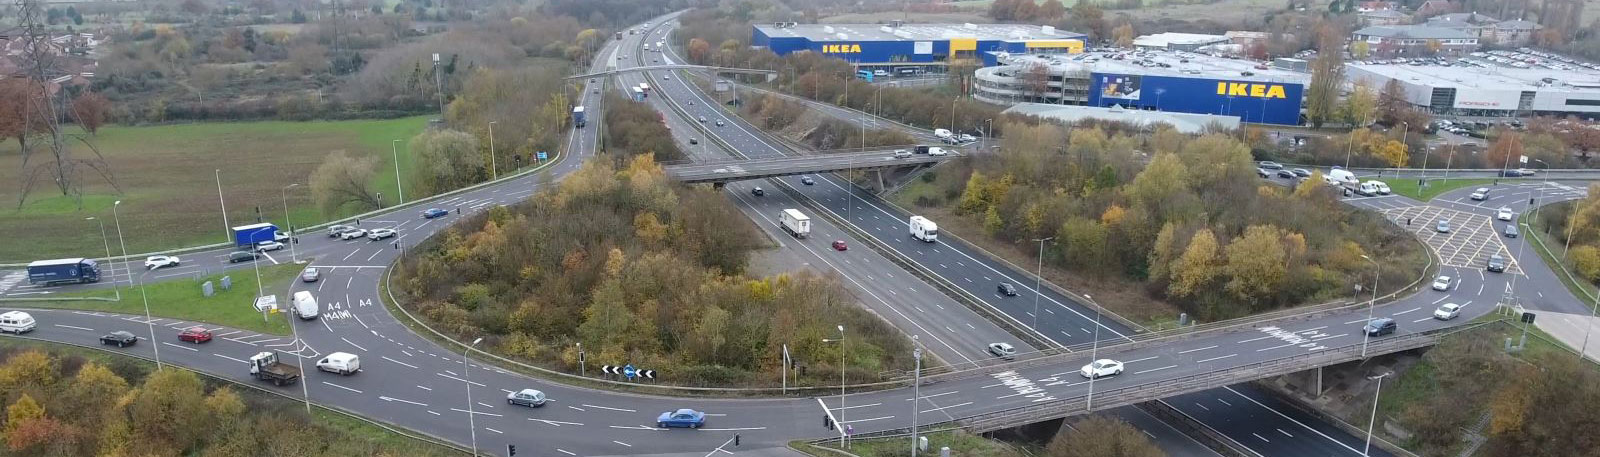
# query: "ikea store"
913,48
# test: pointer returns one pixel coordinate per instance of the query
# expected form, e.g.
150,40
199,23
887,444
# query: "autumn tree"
1123,35
1327,75
1361,105
1051,10
1256,264
89,110
342,181
1101,436
1036,80
699,51
169,410
1198,265
1506,151
444,160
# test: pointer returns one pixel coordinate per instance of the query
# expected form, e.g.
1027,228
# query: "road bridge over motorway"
723,172
614,71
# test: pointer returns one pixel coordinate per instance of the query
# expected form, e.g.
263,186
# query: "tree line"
639,270
66,405
1182,216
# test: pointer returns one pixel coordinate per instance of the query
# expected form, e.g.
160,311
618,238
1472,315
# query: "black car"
757,191
119,338
1286,174
1511,231
807,180
1301,172
694,141
242,256
1497,264
1380,327
1006,289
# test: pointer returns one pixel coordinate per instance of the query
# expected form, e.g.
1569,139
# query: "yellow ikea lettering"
1235,89
841,48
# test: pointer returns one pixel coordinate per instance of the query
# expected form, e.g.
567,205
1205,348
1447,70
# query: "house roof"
1518,25
1414,31
1465,18
1385,14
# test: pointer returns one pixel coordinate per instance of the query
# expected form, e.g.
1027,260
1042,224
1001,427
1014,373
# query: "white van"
305,305
942,133
343,363
16,322
1343,176
937,151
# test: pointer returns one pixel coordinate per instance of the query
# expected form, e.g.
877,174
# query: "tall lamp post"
293,255
916,394
466,376
1376,272
1038,281
493,173
1094,354
147,319
1368,448
107,242
841,381
225,228
394,147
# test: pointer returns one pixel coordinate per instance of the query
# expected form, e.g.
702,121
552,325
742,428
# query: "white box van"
924,229
305,306
942,133
16,322
343,363
1343,176
937,151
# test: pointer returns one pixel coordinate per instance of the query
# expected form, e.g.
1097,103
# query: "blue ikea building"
1264,102
895,44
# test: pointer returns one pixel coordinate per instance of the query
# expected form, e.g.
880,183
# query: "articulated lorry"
248,235
797,224
78,270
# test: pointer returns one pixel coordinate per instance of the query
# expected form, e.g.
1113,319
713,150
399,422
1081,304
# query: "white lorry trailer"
924,229
797,224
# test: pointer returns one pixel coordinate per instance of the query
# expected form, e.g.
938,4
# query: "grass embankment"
1534,229
1408,186
181,299
959,442
166,178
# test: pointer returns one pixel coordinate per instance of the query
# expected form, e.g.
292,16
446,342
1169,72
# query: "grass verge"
1408,186
1543,244
181,299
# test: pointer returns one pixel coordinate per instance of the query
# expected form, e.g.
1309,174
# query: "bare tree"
344,180
42,106
1036,79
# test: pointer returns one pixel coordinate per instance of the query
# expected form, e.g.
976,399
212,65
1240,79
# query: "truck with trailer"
577,117
924,229
246,236
266,367
794,222
75,270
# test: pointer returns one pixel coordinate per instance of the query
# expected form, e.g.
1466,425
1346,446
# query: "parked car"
353,234
758,191
807,180
194,335
310,275
1496,263
838,245
431,213
1003,350
1007,289
526,397
1447,311
378,234
1380,327
1101,368
1442,283
265,246
1504,214
1383,188
242,256
686,417
1443,226
1301,172
1270,165
335,230
1264,173
158,261
119,338
1480,194
1287,174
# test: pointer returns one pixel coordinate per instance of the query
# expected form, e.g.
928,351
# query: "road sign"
629,371
609,369
543,156
648,374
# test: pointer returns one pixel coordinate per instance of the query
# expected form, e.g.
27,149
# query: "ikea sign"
1256,90
841,49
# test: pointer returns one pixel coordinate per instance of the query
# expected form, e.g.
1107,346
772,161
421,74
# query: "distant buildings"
73,67
1414,40
1488,29
1383,17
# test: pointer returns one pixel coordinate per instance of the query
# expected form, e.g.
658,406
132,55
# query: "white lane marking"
386,398
475,383
555,423
1258,435
622,443
341,387
1407,311
936,395
436,413
397,361
731,429
352,343
1285,433
564,451
1198,349
856,406
1255,339
610,408
230,358
1154,369
958,405
485,404
1307,427
1140,360
459,410
493,430
1215,358
577,408
866,420
424,388
75,327
180,347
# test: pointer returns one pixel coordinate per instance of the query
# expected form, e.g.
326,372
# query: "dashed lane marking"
610,408
341,387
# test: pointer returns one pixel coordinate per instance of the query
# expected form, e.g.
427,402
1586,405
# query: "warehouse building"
1167,81
1494,83
913,46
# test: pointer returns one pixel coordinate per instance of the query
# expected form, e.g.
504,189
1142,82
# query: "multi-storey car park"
906,49
1174,81
1501,83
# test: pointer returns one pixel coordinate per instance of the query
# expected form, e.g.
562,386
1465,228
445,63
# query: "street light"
107,242
293,255
226,231
493,174
916,395
1037,281
1403,135
394,147
840,419
147,319
1094,354
466,375
1376,272
984,145
1365,450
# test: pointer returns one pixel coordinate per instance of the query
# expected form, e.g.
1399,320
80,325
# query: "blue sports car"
431,213
681,418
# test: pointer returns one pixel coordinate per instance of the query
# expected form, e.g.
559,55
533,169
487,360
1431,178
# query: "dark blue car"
687,418
431,213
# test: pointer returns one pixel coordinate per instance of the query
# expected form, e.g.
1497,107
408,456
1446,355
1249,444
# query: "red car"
195,335
838,245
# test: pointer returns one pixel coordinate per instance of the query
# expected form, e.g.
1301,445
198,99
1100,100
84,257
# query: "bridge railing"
811,154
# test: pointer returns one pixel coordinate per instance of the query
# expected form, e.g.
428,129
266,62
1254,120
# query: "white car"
265,246
158,261
1101,368
378,234
352,234
1381,187
1480,194
902,154
1442,283
1504,214
1447,311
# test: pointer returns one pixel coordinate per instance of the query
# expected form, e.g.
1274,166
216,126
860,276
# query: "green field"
181,299
1408,187
168,185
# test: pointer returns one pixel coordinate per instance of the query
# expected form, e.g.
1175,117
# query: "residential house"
1384,17
1414,40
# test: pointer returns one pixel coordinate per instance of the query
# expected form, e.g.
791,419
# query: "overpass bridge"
613,70
726,171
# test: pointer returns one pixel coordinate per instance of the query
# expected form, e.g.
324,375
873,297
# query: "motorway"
740,170
414,383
